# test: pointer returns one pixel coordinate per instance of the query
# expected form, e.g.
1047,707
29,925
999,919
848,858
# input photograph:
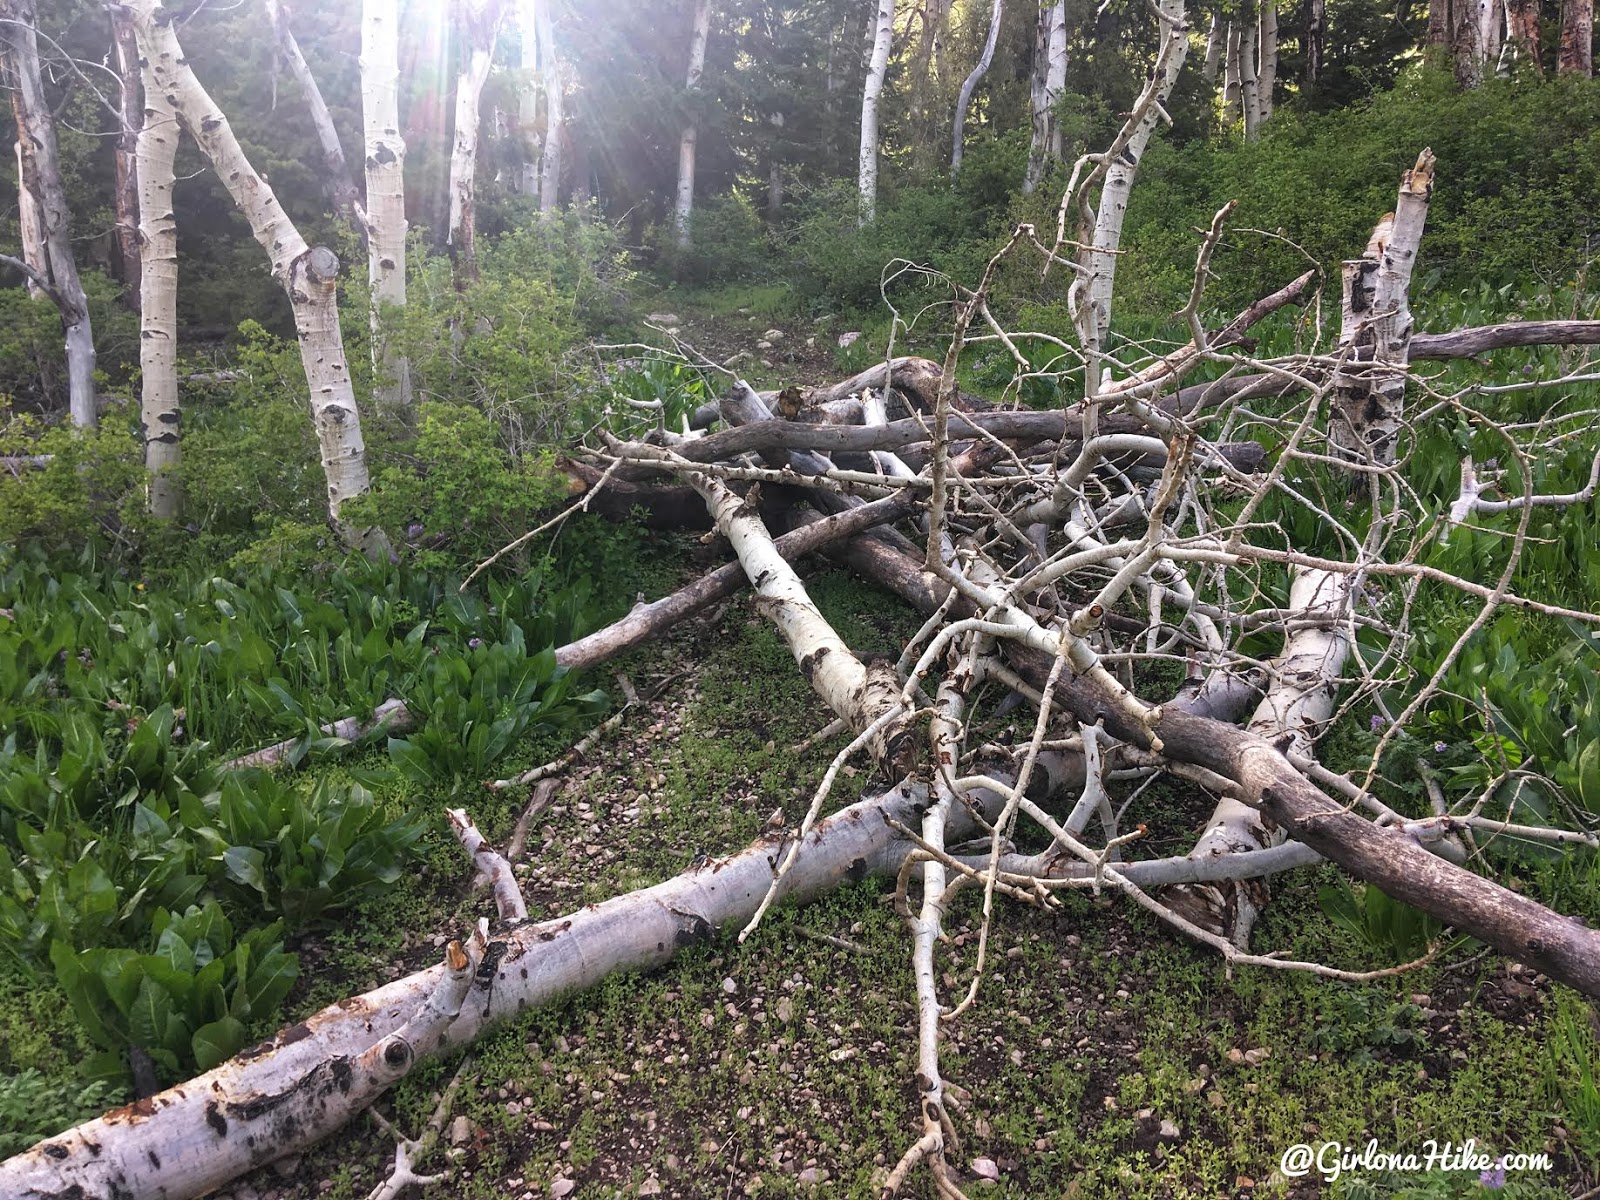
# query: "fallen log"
287,1093
650,620
1562,947
1468,343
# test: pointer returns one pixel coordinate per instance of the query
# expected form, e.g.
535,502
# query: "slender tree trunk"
1249,82
775,169
877,68
1576,55
385,153
336,171
1232,88
683,210
1268,73
1049,78
1216,42
159,415
30,227
1316,37
41,177
528,103
1468,44
1491,28
555,88
970,84
1523,34
924,70
308,274
480,20
1439,43
1100,259
127,181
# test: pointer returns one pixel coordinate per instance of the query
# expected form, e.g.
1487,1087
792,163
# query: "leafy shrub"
457,495
477,706
186,1002
250,456
87,483
501,346
302,852
1393,930
33,1107
1515,192
728,241
834,262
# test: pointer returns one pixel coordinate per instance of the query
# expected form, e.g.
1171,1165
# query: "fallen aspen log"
287,1093
1394,860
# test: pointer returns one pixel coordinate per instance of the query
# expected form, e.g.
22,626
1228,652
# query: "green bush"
250,457
302,852
187,1002
33,1107
456,494
1516,189
728,241
85,487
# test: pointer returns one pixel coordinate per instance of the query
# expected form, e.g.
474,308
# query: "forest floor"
1104,1058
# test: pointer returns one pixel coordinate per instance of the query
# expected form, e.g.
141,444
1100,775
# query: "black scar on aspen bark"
216,1120
808,664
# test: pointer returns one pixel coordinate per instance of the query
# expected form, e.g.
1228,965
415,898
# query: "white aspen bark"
336,171
1491,28
683,209
1216,41
288,1093
1100,260
877,68
858,694
131,120
1049,79
481,19
1299,701
1315,37
307,274
1267,72
30,227
159,416
555,90
1249,83
41,176
970,84
385,154
1232,90
1369,392
528,101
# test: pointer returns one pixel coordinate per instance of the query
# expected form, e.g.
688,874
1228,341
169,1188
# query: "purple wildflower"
1376,723
474,643
414,530
1440,747
1495,1177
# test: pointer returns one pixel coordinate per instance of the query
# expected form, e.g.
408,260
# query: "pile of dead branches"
1063,558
